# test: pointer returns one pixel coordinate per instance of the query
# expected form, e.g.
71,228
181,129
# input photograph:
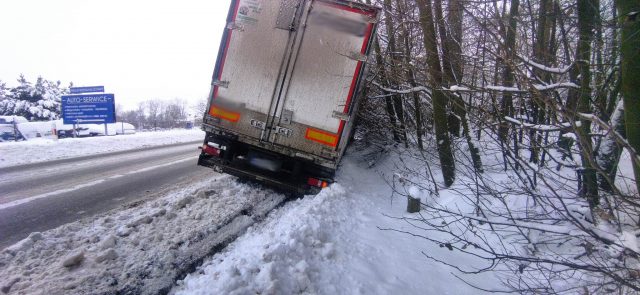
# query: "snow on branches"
35,101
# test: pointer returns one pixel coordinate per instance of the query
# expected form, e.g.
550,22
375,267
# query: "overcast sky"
137,49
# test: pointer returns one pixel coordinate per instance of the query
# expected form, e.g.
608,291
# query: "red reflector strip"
322,137
216,111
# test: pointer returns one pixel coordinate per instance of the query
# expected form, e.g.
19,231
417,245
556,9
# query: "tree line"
543,92
156,114
41,101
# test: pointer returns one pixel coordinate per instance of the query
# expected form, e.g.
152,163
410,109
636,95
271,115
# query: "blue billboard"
88,109
77,90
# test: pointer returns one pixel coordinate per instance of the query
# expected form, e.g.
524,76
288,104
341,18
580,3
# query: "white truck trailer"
285,90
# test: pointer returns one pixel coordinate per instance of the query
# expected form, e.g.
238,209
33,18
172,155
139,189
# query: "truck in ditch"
285,90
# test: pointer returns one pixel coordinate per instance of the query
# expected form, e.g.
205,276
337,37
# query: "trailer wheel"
297,169
228,153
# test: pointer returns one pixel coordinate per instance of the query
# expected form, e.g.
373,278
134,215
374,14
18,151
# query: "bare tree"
541,84
629,10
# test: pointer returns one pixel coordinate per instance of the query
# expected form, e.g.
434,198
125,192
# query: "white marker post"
54,131
75,128
15,129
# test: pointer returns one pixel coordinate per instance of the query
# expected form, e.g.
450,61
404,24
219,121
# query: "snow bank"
331,243
31,130
140,250
11,119
284,256
42,150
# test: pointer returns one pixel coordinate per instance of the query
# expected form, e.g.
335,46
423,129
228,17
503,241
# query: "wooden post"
413,204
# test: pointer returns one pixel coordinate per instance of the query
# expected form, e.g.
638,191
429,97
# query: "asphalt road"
38,197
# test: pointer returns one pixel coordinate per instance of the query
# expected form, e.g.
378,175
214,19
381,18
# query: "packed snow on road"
140,249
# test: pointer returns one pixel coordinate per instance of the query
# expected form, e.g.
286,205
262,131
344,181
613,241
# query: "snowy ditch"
142,249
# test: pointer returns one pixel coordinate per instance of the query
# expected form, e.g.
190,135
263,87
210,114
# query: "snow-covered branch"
540,127
543,67
621,140
402,91
539,87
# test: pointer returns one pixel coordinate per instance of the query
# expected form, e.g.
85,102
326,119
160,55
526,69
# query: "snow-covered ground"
42,150
336,242
351,238
333,243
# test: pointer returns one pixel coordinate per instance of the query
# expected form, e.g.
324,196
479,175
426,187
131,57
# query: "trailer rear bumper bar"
299,176
217,165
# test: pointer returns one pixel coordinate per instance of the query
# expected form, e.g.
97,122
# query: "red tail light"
317,182
210,150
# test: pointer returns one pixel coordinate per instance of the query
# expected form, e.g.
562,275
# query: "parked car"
7,133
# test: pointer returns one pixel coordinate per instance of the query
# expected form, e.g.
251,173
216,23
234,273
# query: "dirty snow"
142,249
42,150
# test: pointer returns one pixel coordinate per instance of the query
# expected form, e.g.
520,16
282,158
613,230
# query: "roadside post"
76,125
15,129
54,130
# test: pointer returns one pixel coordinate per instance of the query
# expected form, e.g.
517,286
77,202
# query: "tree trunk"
451,64
439,99
387,97
452,57
394,77
629,10
506,106
410,73
610,151
541,54
587,13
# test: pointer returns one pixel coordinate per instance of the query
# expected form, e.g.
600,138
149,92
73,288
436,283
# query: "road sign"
88,109
88,89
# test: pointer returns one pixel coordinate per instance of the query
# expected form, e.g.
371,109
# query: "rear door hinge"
370,19
234,26
223,84
340,115
357,56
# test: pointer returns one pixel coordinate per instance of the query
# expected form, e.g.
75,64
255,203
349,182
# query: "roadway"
38,197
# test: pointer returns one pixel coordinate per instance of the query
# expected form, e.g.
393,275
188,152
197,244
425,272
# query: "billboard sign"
88,89
88,109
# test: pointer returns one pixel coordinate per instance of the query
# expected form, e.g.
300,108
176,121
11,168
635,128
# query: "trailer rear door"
253,49
317,98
